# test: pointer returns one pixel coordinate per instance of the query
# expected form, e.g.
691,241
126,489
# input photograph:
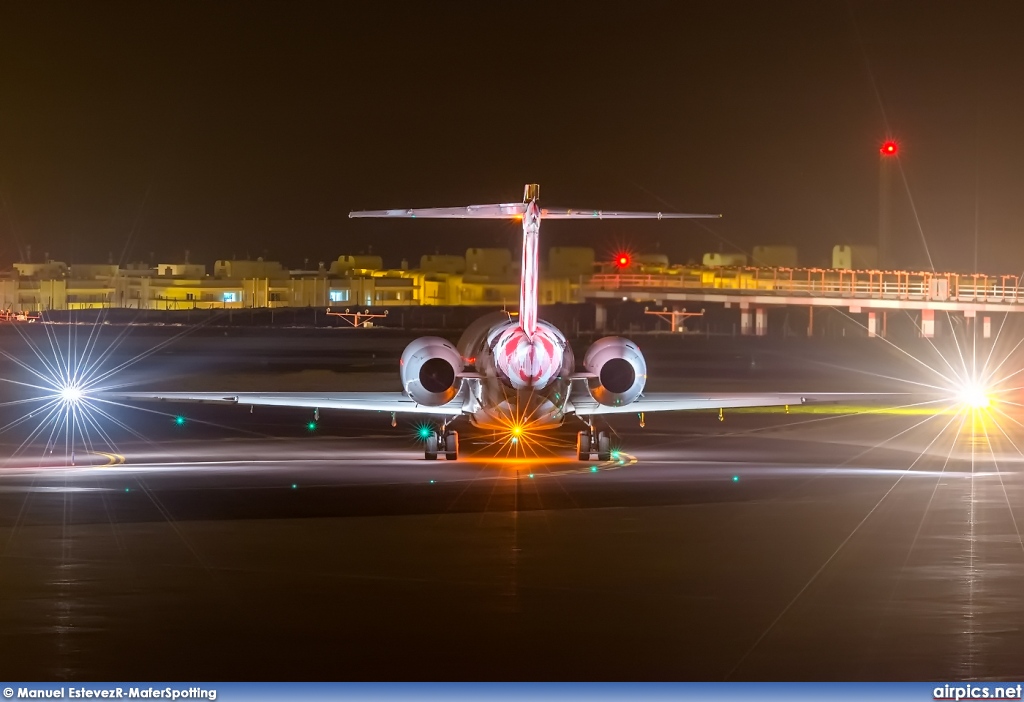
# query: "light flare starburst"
975,396
61,386
71,393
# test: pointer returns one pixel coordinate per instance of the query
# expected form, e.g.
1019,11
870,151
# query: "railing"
899,285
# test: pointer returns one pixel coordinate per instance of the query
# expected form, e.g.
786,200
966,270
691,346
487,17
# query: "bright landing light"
71,394
975,397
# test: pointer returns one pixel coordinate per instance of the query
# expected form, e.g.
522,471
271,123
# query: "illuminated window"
339,296
230,297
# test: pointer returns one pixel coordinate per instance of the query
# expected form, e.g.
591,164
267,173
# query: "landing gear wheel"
451,446
604,446
430,448
583,445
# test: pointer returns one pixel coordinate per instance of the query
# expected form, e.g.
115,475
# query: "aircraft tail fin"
529,271
531,214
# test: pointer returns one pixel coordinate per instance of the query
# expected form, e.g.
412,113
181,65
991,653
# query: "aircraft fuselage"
523,380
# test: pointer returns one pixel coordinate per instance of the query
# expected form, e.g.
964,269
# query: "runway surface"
768,546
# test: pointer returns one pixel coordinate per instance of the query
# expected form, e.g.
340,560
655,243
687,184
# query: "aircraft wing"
679,401
355,401
510,210
563,213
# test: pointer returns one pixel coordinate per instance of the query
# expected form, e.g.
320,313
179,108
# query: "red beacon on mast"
890,148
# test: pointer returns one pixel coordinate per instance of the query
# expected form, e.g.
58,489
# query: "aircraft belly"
534,414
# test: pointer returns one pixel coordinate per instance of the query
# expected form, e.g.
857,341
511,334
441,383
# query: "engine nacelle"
620,369
429,368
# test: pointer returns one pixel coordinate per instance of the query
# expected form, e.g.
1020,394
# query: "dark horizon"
234,130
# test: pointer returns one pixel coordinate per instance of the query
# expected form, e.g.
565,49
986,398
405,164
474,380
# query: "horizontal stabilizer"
561,213
515,210
512,210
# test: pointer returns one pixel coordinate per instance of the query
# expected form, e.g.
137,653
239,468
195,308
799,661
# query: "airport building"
480,277
768,278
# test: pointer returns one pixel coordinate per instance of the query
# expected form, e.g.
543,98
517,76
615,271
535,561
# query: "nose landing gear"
591,441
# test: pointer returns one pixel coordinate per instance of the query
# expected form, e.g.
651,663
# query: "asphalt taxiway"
768,546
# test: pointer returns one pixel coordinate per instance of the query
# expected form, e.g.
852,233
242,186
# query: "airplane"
514,375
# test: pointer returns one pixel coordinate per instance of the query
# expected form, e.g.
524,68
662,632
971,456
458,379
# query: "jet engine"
620,370
429,368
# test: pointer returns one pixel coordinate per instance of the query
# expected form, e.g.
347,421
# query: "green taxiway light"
735,478
531,475
424,432
311,426
593,469
295,486
431,482
179,420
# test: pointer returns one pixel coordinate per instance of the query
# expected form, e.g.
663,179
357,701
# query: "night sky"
245,129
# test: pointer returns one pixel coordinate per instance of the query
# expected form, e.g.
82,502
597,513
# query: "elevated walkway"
857,291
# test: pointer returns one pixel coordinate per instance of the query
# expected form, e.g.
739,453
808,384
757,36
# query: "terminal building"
769,278
480,277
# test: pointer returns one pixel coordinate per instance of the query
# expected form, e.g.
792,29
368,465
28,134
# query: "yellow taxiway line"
113,459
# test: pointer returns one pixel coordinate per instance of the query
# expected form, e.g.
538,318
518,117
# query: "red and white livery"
509,373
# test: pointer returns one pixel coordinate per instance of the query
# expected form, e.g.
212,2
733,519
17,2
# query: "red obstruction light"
622,260
889,148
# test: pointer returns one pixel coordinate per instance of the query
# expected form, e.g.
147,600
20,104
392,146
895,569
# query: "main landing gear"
444,441
591,441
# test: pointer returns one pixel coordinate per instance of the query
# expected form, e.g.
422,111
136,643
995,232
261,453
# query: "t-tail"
531,214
